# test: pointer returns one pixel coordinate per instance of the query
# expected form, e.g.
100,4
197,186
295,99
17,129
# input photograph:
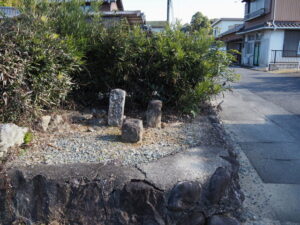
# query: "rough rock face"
132,130
97,194
57,120
11,135
116,107
43,123
217,186
222,220
154,114
184,196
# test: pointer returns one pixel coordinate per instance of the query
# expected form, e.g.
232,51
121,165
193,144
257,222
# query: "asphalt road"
263,116
280,89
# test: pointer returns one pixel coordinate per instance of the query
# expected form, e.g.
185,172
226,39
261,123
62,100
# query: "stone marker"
132,130
116,107
154,114
11,135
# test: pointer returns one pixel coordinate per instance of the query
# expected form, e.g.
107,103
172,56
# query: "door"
256,54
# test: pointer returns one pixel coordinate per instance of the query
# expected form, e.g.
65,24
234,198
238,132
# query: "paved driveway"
263,116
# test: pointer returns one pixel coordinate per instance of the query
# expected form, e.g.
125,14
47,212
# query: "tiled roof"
233,30
287,24
226,19
269,25
133,17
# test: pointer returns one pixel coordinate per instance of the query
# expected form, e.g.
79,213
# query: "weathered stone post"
116,107
132,130
154,114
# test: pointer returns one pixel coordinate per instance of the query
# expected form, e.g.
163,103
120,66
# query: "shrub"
35,68
182,69
42,52
28,138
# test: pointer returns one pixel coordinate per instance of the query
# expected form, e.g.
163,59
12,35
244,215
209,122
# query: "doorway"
256,54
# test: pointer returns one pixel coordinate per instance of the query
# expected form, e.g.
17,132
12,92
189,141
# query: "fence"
285,56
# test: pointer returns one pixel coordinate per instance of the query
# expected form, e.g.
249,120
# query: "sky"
184,9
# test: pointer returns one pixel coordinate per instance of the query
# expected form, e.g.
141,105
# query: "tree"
199,21
12,3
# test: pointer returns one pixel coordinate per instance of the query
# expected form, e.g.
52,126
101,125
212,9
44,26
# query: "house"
157,26
112,11
224,24
134,18
233,41
8,12
270,34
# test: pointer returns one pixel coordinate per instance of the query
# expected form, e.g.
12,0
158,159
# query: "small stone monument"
116,107
154,114
132,130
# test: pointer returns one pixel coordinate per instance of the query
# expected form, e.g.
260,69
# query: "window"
258,36
251,37
249,48
291,46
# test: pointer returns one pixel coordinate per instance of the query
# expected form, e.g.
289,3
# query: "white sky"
184,9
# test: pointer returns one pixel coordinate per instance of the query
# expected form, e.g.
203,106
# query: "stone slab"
195,164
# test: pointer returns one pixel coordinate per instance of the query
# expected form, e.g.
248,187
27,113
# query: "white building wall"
269,40
277,43
276,40
158,29
248,50
224,26
264,56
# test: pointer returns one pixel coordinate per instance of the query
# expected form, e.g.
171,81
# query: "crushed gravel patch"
81,143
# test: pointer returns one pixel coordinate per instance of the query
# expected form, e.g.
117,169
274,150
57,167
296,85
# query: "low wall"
97,194
283,66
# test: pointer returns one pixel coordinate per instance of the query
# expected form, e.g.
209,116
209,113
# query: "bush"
182,69
35,68
42,52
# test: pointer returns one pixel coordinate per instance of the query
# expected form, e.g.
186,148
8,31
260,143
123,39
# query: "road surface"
262,114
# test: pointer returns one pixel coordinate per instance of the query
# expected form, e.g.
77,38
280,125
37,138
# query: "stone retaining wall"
97,194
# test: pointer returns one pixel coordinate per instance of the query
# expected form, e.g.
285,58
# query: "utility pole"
168,11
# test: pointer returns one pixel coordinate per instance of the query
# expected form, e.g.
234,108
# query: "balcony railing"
8,12
255,14
285,56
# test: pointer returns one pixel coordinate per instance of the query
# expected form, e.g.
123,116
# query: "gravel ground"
85,143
